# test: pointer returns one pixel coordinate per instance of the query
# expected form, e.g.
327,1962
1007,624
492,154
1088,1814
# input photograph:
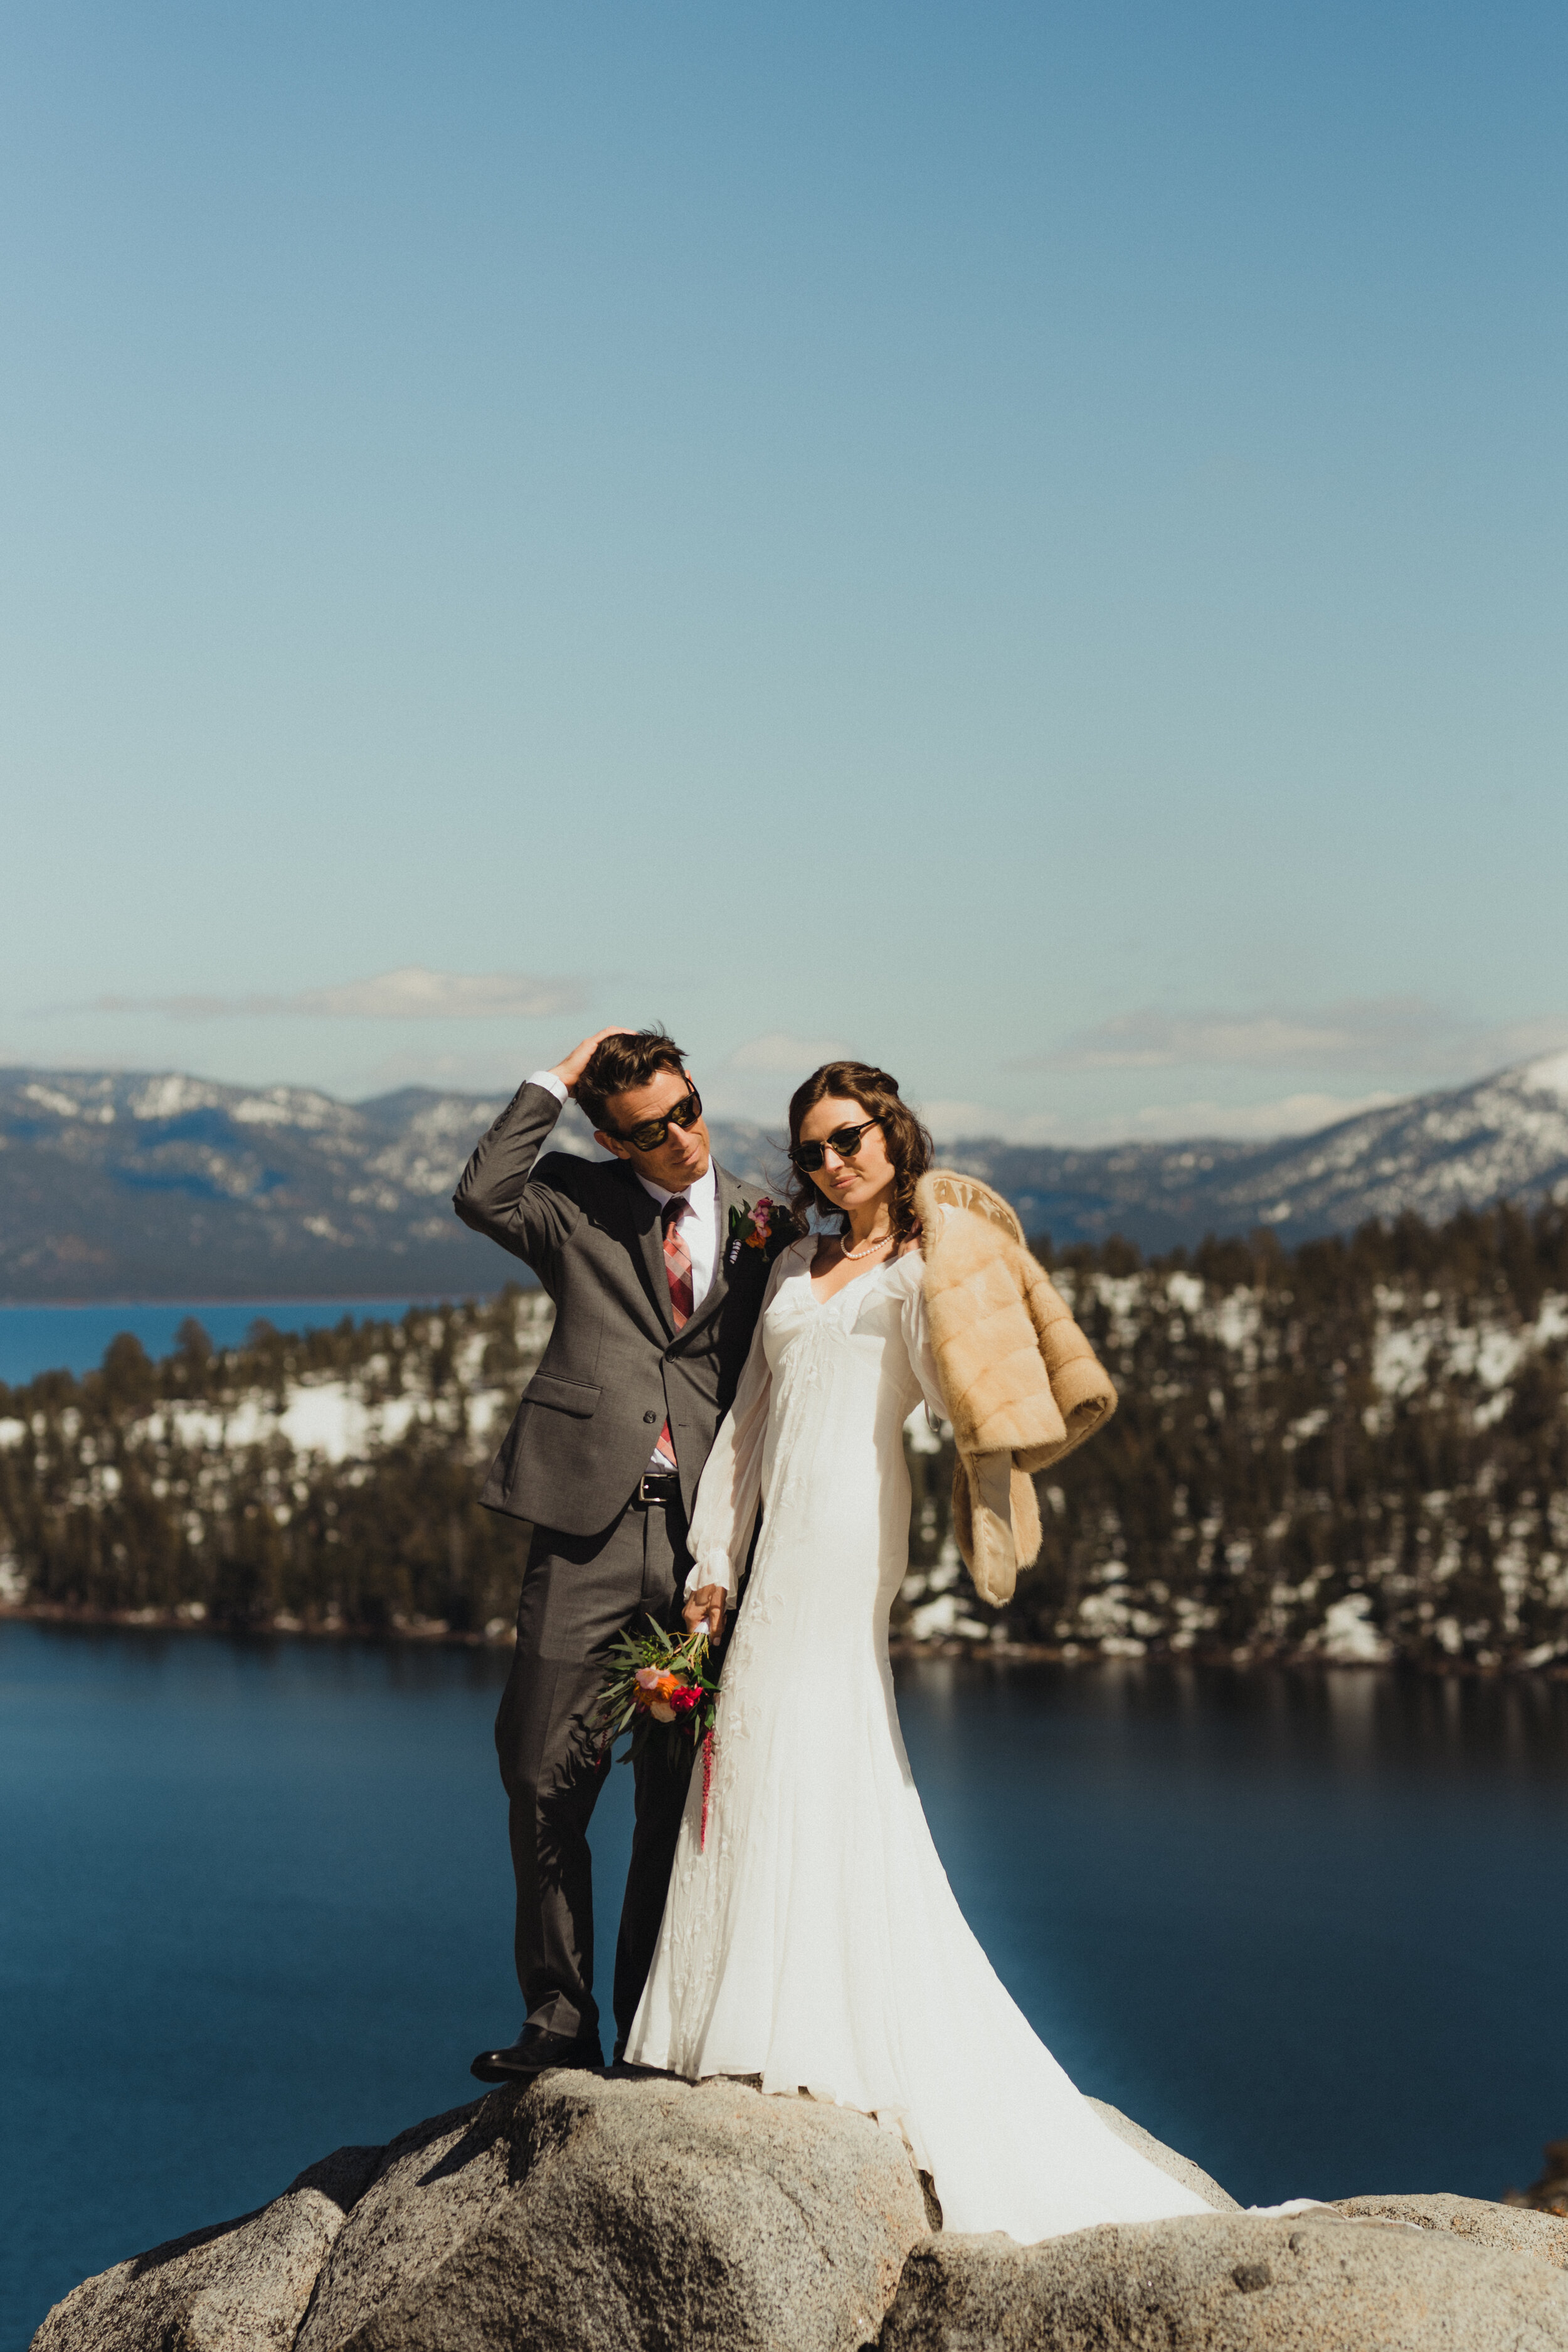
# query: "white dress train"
814,1941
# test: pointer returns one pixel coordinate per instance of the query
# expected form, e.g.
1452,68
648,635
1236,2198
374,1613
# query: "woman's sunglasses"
844,1141
649,1133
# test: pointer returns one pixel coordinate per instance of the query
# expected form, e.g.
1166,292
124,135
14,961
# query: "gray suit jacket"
615,1364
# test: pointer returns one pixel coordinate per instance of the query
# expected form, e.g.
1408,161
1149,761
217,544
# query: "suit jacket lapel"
643,1210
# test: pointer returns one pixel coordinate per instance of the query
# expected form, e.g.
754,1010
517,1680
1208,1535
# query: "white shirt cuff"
552,1084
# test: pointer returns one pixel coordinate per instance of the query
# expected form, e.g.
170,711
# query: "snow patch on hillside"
328,1418
1411,1352
289,1106
1348,1636
1547,1077
172,1096
50,1098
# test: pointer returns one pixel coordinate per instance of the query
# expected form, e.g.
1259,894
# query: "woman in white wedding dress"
811,1938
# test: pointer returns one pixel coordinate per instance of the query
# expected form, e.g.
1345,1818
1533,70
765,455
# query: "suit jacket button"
650,1416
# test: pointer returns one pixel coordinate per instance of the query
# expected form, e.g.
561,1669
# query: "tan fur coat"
1022,1385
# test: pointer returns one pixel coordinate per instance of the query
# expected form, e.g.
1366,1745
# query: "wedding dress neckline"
871,1273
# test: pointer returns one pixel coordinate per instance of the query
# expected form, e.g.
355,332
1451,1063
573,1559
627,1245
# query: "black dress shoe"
536,2049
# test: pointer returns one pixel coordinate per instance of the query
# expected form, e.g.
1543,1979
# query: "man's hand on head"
571,1069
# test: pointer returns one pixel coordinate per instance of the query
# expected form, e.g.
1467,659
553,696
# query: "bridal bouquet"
653,1679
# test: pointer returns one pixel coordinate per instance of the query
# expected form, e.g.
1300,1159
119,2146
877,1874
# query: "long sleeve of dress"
731,1487
918,1339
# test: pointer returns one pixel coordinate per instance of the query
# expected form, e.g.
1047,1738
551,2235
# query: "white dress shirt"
698,1224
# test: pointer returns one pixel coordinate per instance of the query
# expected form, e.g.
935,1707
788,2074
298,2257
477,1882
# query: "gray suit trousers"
580,1594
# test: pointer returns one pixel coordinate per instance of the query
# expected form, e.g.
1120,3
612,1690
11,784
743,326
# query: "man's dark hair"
628,1059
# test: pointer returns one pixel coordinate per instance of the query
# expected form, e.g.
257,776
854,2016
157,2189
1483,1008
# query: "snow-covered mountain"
121,1185
1504,1138
130,1185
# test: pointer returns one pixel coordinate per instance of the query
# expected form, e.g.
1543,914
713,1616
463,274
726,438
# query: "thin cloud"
1250,1122
1377,1035
1301,1114
413,992
778,1054
953,1121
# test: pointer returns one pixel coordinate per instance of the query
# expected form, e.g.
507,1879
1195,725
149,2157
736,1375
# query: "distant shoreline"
431,1634
42,1336
277,1299
426,1635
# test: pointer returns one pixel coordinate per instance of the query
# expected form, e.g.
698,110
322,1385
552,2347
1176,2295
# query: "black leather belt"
657,1487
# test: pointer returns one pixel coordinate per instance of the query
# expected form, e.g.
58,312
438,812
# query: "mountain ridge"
1503,1136
155,1184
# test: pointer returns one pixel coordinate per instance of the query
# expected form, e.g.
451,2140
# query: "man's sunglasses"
845,1141
649,1133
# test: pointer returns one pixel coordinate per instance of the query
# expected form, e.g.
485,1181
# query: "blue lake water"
34,1339
256,1903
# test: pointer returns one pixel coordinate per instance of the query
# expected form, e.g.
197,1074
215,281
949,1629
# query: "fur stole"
1022,1385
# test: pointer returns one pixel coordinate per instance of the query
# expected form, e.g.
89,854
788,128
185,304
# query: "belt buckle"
651,1478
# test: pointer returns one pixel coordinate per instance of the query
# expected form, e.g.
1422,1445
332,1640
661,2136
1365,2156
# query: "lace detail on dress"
797,1387
797,1358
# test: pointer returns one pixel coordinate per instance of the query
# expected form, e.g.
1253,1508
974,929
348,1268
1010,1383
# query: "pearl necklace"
866,1248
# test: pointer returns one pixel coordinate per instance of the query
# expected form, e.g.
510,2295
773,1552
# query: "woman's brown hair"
908,1144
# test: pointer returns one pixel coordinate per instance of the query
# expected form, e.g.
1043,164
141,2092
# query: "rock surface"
240,2286
1235,2282
1514,2229
1180,2167
586,2214
615,2214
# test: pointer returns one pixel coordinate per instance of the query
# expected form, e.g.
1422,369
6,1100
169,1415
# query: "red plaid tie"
678,1265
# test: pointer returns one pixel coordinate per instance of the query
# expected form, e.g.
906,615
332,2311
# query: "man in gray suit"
656,1297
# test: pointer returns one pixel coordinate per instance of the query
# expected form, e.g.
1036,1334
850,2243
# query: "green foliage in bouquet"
656,1683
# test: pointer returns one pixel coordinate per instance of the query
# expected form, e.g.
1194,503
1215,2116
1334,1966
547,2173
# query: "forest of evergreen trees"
1358,1449
193,1486
1360,1445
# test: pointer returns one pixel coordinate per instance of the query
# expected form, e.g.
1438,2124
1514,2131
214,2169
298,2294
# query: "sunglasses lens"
844,1141
652,1131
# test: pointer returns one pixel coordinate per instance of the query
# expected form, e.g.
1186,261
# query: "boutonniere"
767,1227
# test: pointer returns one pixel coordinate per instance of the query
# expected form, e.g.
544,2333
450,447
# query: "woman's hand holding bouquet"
654,1680
705,1607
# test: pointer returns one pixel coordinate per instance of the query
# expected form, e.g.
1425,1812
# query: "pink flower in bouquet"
655,1690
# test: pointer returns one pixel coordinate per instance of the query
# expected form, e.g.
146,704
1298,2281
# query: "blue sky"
1025,541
